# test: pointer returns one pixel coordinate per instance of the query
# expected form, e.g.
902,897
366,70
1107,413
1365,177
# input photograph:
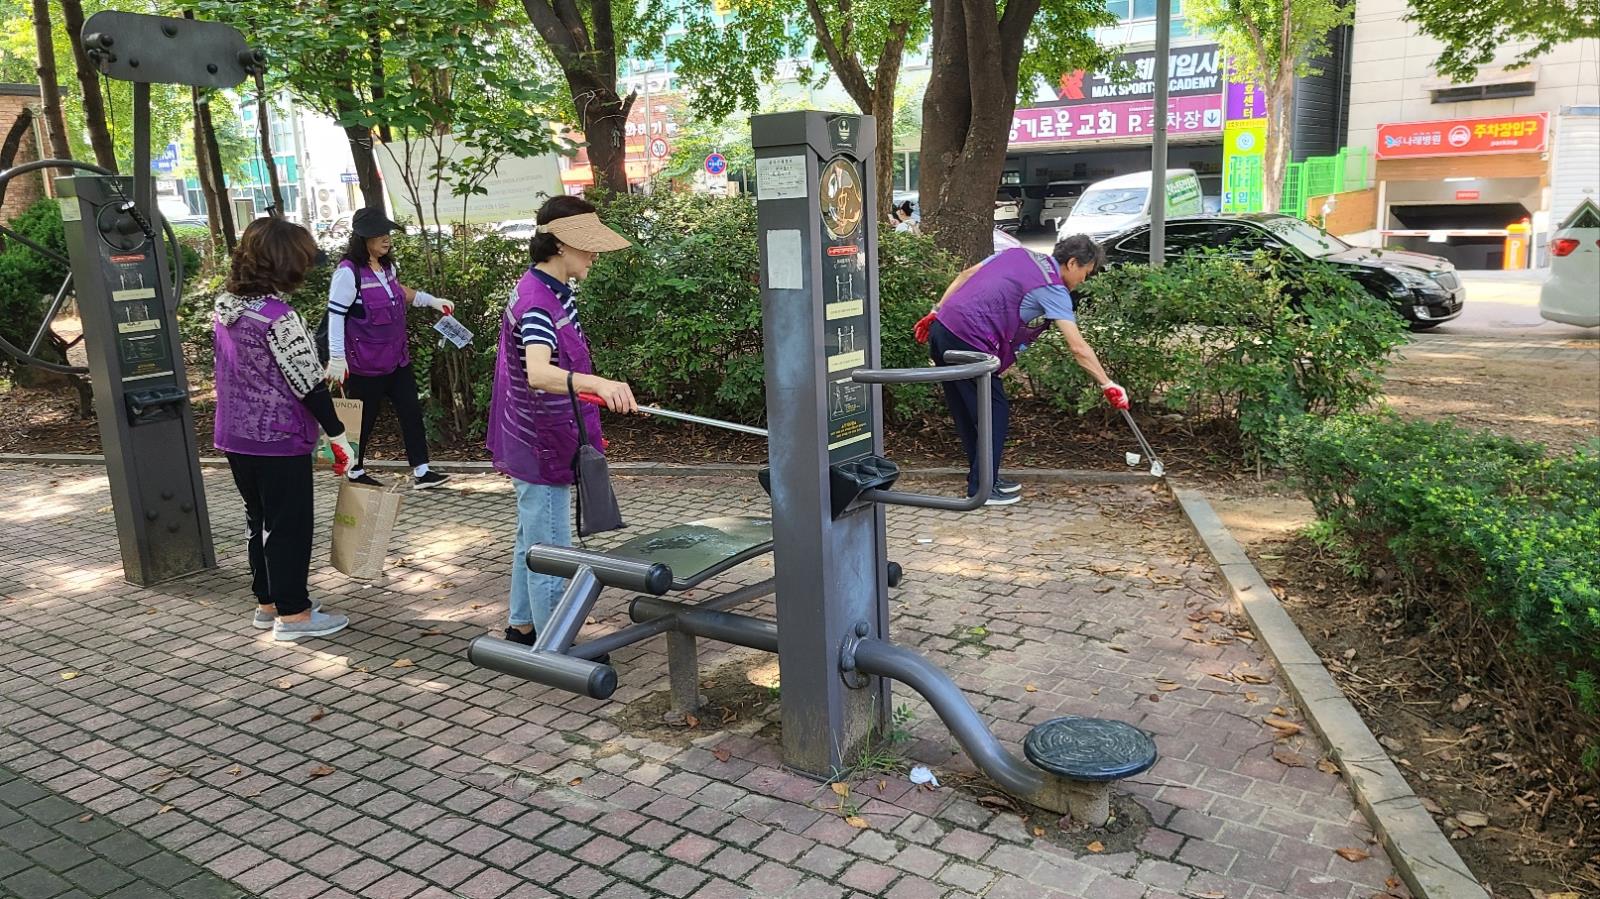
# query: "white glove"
338,369
445,307
343,454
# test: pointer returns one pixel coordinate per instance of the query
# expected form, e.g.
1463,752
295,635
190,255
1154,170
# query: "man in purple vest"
999,307
367,343
533,431
270,399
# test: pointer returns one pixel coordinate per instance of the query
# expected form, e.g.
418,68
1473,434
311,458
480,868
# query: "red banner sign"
1465,137
1466,195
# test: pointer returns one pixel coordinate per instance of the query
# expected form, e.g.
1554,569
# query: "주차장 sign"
1527,133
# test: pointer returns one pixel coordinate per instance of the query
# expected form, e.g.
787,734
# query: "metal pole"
1158,144
143,183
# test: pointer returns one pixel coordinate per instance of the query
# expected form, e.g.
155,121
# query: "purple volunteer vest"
257,413
533,435
375,344
986,312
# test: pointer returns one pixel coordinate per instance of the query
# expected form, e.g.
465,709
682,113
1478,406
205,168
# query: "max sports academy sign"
1191,72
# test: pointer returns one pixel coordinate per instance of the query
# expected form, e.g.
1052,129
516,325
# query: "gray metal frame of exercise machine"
127,297
828,482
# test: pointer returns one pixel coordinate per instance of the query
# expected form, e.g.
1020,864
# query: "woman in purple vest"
533,432
1000,306
367,348
270,400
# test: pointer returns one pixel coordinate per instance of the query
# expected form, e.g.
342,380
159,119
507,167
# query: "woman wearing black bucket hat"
367,348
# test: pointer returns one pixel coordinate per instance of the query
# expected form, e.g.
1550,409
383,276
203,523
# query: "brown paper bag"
349,412
363,522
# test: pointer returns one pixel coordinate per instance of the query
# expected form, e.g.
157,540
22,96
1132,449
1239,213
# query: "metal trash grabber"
594,399
1156,468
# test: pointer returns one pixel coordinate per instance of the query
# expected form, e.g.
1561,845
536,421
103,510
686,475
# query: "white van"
1109,206
1059,196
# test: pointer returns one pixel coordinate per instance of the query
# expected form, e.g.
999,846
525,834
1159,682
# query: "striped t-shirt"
535,326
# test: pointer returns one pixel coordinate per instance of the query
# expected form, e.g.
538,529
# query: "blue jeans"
543,516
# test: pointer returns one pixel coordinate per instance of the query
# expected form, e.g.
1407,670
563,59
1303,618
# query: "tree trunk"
363,159
208,158
264,131
604,122
883,159
94,104
203,175
55,123
971,94
1280,119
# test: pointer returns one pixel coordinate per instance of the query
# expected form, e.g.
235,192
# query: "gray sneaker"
1002,499
263,621
321,624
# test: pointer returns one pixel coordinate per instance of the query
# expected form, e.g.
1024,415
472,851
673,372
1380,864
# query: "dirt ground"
1472,744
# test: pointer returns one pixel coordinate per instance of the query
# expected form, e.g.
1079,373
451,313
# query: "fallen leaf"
575,781
858,822
1031,688
1461,703
995,801
1328,766
1198,627
1391,744
840,789
1210,894
1353,855
1279,710
404,663
319,714
1283,756
1255,679
361,669
322,771
1251,697
1096,846
882,785
236,770
1167,688
1284,728
721,755
1562,896
86,819
68,675
285,685
164,809
1473,819
691,720
1432,807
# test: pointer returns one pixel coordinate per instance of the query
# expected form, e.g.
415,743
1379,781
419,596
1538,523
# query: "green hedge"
1500,521
1244,342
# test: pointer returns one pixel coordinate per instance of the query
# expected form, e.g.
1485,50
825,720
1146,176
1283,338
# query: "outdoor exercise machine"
829,483
128,286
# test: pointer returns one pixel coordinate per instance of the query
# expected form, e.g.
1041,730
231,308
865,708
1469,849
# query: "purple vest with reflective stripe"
257,413
986,312
375,344
533,435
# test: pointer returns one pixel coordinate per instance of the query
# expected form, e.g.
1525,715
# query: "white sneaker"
321,624
264,621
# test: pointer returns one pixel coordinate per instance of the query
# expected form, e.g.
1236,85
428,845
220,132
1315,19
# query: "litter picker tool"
594,399
1156,468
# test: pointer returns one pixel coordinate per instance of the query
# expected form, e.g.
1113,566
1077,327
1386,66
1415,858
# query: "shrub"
29,279
1499,521
1243,341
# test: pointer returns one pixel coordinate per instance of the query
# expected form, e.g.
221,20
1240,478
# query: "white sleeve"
341,296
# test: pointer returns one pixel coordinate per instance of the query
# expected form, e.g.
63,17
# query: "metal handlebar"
971,366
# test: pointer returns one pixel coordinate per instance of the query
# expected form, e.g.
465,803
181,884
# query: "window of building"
1471,92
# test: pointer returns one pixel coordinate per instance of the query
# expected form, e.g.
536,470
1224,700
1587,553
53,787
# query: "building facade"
25,130
1458,163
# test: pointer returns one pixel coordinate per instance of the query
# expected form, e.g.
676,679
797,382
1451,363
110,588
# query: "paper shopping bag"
363,522
349,412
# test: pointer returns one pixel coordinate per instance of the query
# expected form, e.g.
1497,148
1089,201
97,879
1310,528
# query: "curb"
1424,859
653,469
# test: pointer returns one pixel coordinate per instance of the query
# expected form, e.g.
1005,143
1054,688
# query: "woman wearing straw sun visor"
367,349
999,307
533,431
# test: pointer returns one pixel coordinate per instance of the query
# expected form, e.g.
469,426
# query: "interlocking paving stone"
185,728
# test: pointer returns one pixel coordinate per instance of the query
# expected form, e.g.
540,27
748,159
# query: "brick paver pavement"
380,763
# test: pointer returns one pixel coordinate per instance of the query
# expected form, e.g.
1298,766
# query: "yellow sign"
1244,148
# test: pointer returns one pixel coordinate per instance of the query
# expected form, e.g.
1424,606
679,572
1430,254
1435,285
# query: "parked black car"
1423,289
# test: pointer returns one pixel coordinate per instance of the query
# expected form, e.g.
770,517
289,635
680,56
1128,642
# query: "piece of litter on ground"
1133,459
924,539
921,775
1157,469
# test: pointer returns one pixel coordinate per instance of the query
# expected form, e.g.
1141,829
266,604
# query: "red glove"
343,454
923,324
1115,395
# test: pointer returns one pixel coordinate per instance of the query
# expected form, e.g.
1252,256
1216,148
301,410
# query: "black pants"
400,388
277,506
962,397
